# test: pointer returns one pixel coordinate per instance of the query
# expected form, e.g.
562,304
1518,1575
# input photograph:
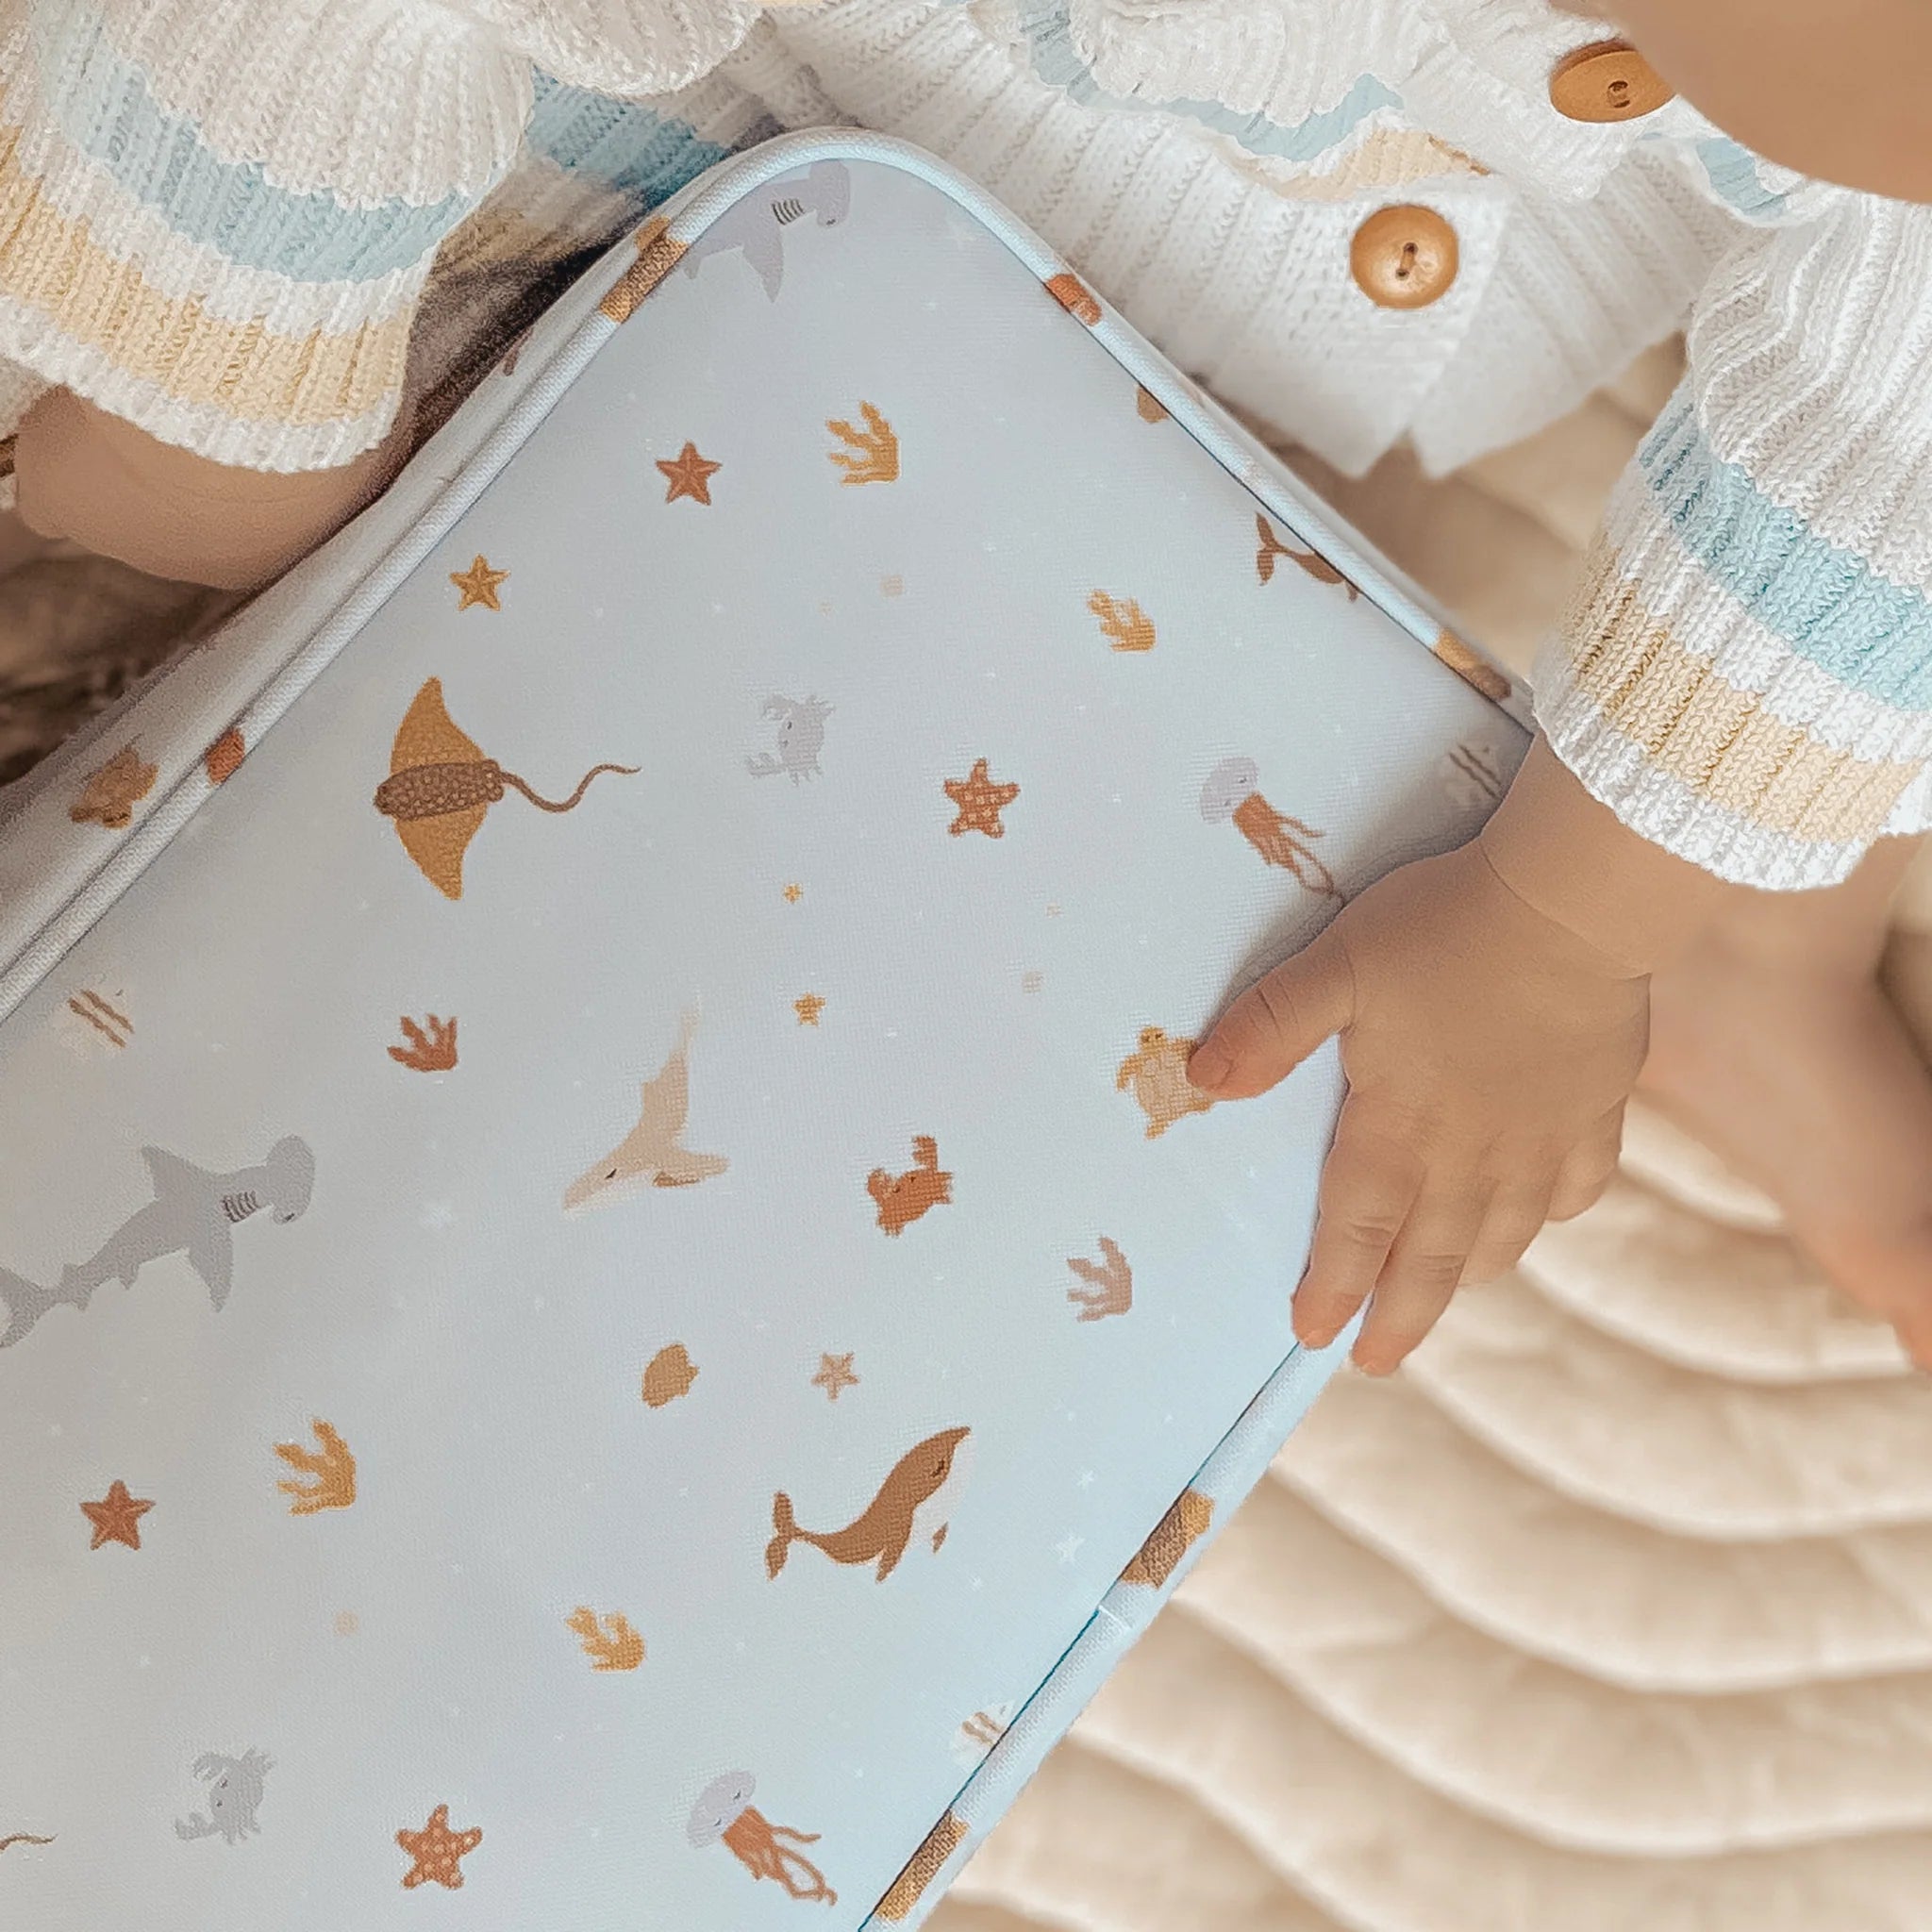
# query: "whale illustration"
915,1500
194,1212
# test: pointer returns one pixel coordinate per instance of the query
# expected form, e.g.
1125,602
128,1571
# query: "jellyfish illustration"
441,786
723,1812
1231,792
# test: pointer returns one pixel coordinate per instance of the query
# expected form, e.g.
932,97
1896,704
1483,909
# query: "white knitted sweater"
219,218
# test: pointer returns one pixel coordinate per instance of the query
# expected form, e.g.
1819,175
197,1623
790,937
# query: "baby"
250,248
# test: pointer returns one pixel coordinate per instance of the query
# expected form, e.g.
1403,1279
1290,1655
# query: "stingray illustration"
649,1154
194,1212
441,786
757,224
915,1500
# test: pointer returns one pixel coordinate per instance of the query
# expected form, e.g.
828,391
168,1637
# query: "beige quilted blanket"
1612,1613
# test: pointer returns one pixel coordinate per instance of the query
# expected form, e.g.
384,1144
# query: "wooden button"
1403,257
1607,82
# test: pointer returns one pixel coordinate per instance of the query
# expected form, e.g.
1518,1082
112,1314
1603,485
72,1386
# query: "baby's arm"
1492,1006
113,488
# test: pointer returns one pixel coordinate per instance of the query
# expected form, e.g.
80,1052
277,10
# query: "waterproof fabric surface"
614,1301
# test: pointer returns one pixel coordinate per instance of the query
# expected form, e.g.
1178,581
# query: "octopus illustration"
1156,1071
649,1154
801,738
915,1501
234,1794
440,788
1231,792
724,1814
901,1199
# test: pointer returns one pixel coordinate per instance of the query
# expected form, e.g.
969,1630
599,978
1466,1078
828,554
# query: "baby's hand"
1489,1054
1494,1009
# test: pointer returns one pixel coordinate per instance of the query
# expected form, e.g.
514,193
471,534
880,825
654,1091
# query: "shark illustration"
649,1154
756,223
915,1500
194,1212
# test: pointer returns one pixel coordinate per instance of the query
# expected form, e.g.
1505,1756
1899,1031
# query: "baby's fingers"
1424,1265
1368,1188
1276,1024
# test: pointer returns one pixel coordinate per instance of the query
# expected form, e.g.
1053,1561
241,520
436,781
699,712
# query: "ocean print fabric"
605,1260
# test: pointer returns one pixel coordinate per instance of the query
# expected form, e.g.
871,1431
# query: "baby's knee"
92,477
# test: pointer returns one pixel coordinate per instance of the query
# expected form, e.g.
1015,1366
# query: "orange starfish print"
479,584
117,1516
437,1850
980,802
687,475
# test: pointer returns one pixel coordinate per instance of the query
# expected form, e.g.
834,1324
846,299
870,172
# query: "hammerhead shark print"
916,1499
649,1154
756,223
194,1212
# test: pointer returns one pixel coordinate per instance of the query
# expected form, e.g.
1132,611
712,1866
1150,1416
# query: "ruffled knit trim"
631,47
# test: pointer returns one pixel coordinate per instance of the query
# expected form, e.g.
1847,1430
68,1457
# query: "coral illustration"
915,1501
117,1516
980,802
1157,1072
651,1154
1231,794
925,1865
873,453
1110,1289
113,790
903,1198
1182,1525
801,738
223,758
668,1376
332,1467
479,584
1074,295
1317,567
441,787
438,1852
724,1814
687,474
234,1795
609,1641
430,1048
1125,623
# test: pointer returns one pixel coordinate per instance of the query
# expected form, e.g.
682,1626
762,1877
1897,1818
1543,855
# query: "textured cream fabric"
1613,1614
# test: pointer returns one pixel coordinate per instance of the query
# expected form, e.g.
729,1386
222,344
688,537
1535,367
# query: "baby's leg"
1772,1042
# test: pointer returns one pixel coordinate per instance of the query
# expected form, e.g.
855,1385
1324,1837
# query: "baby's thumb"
1276,1024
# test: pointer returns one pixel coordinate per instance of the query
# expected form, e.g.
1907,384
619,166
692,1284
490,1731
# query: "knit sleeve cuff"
1737,689
217,216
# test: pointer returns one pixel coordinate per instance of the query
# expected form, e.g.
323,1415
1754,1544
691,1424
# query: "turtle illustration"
1156,1071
